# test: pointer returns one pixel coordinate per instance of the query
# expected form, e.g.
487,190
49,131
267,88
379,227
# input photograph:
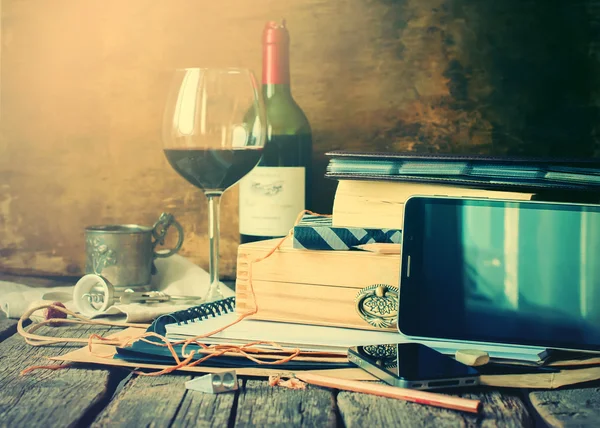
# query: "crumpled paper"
175,276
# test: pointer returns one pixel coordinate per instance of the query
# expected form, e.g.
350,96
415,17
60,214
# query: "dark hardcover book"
525,174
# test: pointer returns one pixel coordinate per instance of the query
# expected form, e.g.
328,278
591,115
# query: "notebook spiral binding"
193,314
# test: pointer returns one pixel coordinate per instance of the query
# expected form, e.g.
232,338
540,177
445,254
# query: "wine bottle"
278,189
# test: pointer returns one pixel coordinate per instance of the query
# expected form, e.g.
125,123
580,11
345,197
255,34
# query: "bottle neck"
276,68
271,90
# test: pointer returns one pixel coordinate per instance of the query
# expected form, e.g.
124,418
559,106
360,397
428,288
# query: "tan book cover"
380,204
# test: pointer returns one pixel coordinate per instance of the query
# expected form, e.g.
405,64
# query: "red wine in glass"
213,170
214,129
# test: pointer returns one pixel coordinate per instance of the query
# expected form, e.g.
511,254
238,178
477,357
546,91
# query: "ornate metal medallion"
378,305
98,255
385,355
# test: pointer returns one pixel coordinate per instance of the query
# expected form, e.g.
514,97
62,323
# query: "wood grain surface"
569,407
8,327
84,83
91,396
164,401
49,398
504,409
262,405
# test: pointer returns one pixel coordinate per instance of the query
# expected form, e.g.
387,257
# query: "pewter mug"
124,253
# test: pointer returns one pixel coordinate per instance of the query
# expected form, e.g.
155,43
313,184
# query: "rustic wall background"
83,84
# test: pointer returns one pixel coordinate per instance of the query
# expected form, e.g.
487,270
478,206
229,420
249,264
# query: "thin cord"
212,351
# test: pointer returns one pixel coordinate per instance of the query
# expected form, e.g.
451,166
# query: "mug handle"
159,232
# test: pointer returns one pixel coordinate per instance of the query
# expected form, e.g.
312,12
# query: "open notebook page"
333,339
306,337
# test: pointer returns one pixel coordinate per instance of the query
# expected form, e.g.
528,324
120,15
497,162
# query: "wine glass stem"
214,291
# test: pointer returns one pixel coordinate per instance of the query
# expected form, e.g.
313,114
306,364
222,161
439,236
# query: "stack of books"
373,187
318,279
317,294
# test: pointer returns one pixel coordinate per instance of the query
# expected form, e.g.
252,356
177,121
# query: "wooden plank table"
85,395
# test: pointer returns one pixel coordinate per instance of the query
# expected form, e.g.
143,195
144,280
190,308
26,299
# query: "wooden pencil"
380,248
415,396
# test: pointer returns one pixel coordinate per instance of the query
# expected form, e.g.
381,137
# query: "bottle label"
270,200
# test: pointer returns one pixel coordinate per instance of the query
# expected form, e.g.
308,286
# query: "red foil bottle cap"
275,32
276,59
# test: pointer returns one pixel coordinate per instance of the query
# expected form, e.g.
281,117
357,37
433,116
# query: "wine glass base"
214,294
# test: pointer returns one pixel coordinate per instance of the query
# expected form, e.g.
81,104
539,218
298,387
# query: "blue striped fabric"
316,232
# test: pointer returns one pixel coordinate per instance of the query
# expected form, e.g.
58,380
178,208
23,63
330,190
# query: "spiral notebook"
224,311
309,338
194,314
207,317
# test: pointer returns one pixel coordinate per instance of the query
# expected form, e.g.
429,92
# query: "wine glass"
213,135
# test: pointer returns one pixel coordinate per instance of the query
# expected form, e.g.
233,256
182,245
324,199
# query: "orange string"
211,351
291,383
48,367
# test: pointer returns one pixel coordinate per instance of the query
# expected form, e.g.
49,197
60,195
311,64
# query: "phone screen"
413,362
501,271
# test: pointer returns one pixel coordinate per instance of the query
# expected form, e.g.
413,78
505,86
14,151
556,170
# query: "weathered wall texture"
83,85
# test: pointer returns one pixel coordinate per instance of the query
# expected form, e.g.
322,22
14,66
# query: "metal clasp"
378,305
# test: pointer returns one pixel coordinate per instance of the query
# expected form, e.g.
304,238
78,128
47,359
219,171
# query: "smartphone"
501,272
412,365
